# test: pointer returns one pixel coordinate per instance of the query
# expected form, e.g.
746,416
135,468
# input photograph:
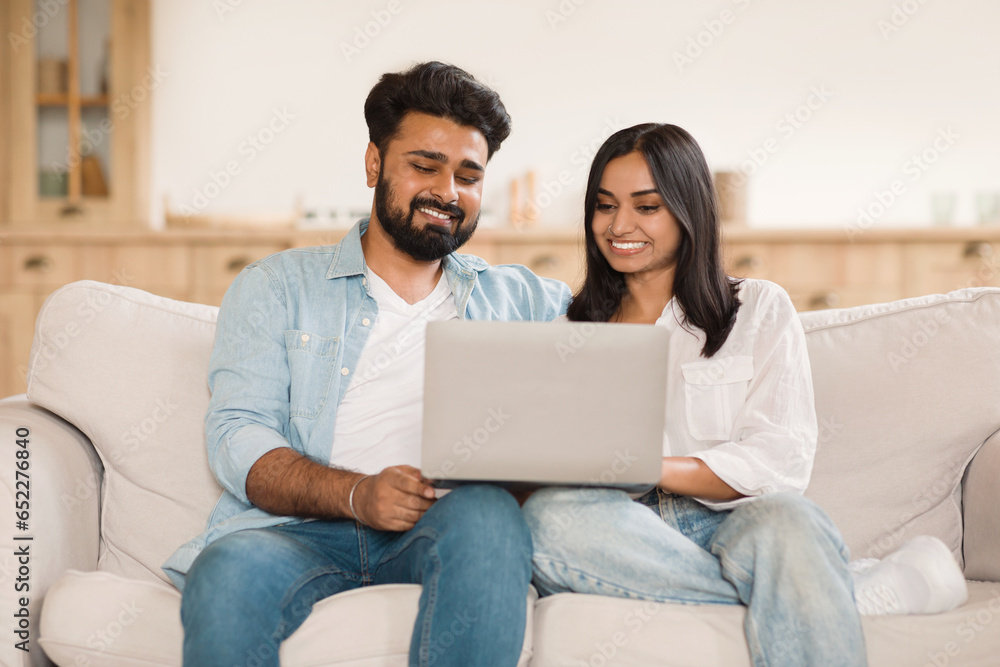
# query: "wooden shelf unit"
119,194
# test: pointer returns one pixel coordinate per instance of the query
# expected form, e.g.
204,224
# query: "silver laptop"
530,404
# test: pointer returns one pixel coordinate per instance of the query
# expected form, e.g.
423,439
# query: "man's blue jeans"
779,555
471,551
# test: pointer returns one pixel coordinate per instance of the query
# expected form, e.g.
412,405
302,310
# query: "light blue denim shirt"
290,333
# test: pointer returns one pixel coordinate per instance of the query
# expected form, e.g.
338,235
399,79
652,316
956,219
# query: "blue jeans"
248,591
779,555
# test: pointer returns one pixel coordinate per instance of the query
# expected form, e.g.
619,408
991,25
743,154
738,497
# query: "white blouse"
748,412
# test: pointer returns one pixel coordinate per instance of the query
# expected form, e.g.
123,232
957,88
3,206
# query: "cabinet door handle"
70,210
750,263
825,300
979,249
238,264
38,263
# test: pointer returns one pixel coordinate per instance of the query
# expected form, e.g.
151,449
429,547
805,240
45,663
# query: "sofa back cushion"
129,370
906,393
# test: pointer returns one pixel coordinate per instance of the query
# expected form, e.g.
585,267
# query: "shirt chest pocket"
312,361
714,392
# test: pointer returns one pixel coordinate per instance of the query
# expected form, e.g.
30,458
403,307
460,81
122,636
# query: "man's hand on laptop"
394,499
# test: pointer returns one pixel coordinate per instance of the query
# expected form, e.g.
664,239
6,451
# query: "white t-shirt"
380,419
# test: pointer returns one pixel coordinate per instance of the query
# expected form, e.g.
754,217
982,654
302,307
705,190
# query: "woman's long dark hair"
706,294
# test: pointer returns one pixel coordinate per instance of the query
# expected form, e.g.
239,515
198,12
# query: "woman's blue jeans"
471,551
779,555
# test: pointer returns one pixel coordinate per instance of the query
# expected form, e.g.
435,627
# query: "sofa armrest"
981,508
63,509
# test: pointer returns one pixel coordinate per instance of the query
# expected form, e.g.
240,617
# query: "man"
314,423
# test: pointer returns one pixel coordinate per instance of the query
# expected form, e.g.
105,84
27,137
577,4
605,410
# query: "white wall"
570,71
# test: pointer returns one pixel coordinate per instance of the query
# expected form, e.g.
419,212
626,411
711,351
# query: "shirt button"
364,281
366,321
344,371
305,338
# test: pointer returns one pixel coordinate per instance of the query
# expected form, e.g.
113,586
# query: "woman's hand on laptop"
394,499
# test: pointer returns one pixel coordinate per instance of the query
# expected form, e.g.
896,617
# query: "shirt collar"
672,314
348,258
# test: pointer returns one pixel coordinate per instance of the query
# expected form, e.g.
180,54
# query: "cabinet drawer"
562,261
17,319
875,266
747,260
317,237
822,275
936,268
800,266
216,267
158,268
839,297
483,249
41,265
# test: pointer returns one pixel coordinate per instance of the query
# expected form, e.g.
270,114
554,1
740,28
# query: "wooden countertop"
294,236
131,235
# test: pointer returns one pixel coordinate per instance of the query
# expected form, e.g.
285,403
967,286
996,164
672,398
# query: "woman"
729,524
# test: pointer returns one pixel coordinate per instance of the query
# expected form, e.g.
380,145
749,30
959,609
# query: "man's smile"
436,215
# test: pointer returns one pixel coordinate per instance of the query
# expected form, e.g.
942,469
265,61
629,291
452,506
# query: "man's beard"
425,245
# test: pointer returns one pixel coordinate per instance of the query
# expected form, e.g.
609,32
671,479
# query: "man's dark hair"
708,297
439,90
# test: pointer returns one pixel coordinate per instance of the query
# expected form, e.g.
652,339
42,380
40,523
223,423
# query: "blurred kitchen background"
894,74
165,144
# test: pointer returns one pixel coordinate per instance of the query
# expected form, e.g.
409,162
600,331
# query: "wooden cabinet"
17,319
822,275
75,83
193,265
818,268
951,265
827,269
553,256
5,127
39,267
214,267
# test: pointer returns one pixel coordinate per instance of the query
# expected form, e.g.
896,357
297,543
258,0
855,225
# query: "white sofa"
908,396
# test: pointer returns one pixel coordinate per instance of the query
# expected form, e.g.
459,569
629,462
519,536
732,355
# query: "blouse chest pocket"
312,360
714,392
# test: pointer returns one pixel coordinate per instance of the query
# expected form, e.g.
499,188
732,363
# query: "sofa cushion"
573,629
129,369
103,620
906,393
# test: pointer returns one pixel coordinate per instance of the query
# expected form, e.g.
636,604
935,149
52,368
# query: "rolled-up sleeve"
775,431
249,380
